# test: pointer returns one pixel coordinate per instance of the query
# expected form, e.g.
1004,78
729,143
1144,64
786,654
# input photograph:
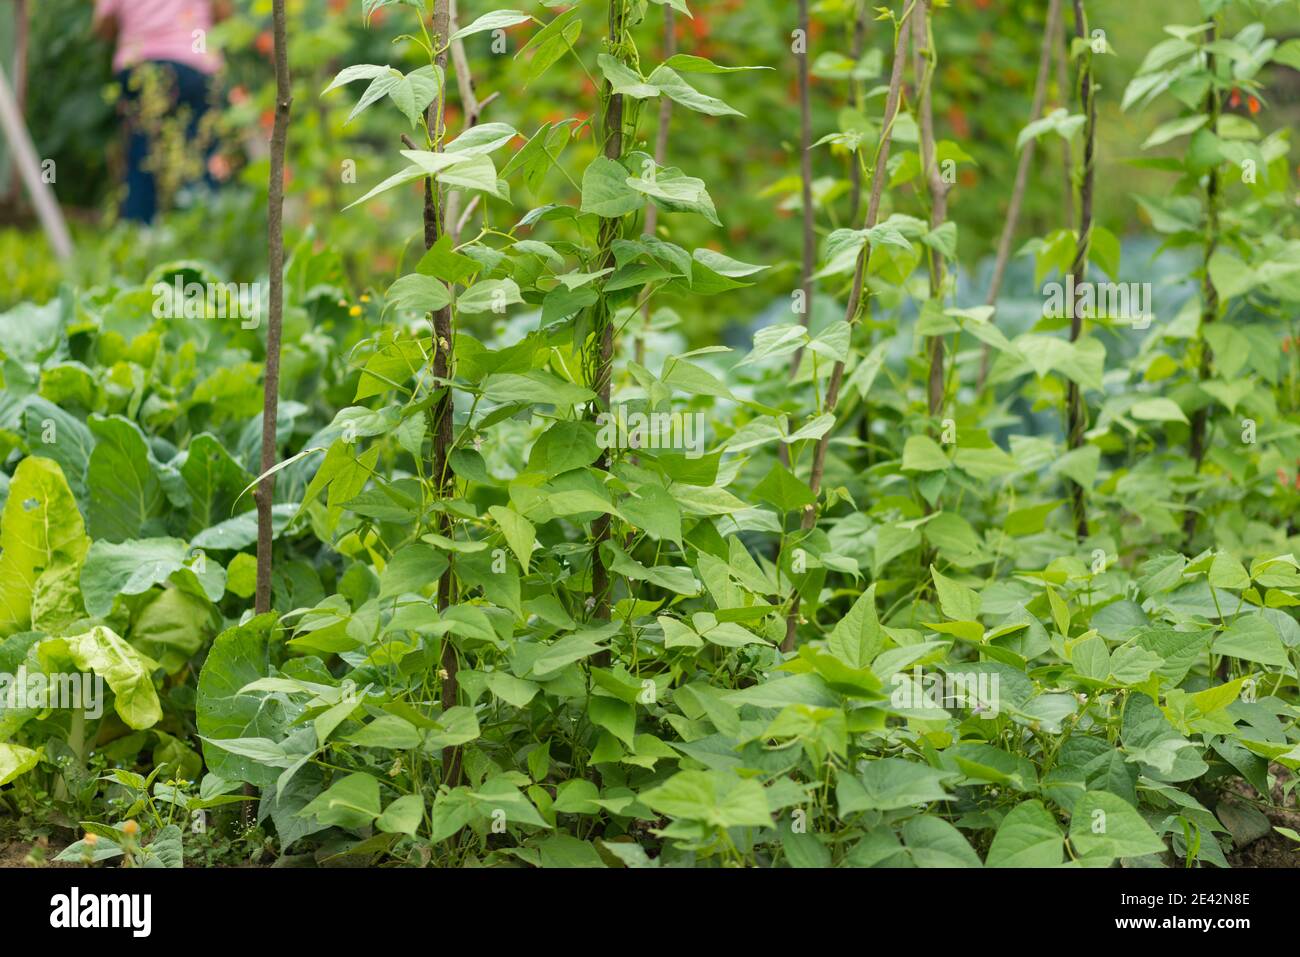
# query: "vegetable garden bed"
484,550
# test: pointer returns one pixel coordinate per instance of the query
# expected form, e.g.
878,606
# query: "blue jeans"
190,91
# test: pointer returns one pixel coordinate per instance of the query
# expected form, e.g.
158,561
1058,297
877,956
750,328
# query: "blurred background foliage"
988,59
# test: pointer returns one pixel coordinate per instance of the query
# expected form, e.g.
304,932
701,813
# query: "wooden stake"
855,296
265,493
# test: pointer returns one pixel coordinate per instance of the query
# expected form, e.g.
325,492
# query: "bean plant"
895,583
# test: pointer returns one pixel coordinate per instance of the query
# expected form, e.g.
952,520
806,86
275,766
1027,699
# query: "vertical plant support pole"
472,109
857,100
464,78
22,38
1196,443
854,308
265,494
22,35
661,154
858,95
924,64
444,408
600,371
1051,33
1062,44
805,181
1076,413
27,165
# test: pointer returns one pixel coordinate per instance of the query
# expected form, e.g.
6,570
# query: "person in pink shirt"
163,45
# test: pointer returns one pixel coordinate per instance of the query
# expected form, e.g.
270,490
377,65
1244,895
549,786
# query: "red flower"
957,120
